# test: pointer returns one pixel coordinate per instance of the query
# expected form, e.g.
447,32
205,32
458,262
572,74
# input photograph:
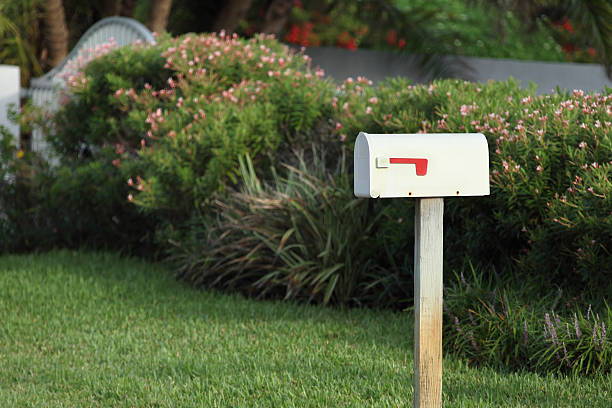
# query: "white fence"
9,97
44,91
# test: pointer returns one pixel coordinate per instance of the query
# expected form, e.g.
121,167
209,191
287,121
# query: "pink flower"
582,145
368,110
373,100
539,169
466,109
130,182
338,126
130,197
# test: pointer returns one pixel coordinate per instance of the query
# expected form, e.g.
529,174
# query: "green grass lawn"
87,329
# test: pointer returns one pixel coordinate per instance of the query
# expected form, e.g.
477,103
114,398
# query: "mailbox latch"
382,162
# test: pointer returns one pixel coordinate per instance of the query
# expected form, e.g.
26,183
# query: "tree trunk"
231,15
277,16
56,31
127,8
158,17
111,8
123,8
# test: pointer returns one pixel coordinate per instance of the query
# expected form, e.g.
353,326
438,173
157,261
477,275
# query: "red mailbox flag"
421,164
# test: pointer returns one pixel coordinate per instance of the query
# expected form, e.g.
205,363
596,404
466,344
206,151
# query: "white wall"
377,65
9,96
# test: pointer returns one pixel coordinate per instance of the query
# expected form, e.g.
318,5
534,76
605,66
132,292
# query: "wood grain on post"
428,302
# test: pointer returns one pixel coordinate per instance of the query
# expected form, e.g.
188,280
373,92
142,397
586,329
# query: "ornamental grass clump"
488,323
300,236
577,343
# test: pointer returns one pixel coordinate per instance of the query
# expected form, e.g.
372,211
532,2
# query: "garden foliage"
187,147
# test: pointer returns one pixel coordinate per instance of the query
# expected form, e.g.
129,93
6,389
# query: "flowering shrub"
182,112
92,116
550,206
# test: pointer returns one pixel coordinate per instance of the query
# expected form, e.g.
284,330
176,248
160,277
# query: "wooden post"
428,302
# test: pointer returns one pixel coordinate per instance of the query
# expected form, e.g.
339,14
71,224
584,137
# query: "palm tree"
56,31
158,15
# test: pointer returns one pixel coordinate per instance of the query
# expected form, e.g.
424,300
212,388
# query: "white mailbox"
421,165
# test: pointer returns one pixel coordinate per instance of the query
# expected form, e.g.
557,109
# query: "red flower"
391,37
401,43
294,34
343,39
591,51
567,25
568,48
298,4
351,44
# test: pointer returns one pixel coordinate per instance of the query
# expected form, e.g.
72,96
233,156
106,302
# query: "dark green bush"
71,206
